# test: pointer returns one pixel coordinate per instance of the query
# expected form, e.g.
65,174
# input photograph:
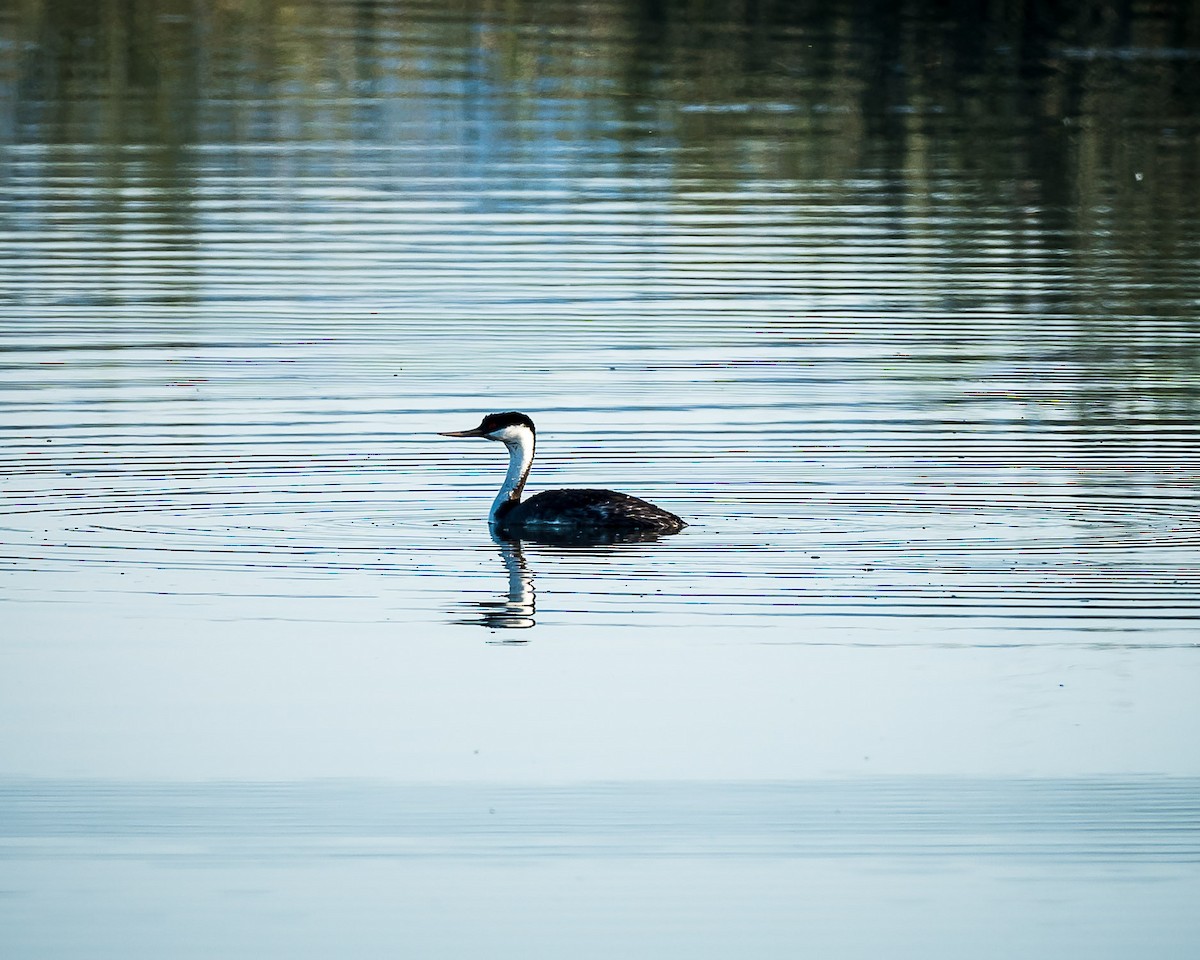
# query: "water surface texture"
898,307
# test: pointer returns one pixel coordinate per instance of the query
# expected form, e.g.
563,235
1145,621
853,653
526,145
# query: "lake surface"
900,310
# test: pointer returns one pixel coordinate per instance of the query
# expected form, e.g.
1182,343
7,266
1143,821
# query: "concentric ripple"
804,540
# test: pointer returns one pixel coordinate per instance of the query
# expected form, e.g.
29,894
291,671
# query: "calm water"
899,309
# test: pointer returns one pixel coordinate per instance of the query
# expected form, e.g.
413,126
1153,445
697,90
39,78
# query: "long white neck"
520,443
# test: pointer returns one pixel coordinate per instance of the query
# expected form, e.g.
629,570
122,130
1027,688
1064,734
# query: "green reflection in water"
1054,149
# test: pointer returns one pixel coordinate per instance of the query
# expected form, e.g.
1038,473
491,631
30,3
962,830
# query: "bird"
564,515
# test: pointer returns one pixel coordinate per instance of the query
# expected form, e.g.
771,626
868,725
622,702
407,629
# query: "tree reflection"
1058,142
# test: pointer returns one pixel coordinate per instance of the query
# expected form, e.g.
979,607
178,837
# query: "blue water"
900,865
896,308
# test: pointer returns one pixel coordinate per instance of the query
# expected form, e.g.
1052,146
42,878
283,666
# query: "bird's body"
561,514
588,509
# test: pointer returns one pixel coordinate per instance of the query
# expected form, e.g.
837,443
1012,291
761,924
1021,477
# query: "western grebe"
603,513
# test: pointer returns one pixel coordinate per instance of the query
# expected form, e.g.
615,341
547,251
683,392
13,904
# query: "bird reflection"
514,610
517,607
